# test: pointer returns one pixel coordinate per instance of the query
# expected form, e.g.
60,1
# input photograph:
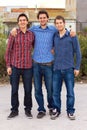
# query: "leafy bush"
2,54
85,30
83,44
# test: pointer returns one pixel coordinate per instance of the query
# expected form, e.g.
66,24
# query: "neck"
23,29
62,32
43,26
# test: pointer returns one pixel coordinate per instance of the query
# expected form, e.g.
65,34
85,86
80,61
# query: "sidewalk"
62,123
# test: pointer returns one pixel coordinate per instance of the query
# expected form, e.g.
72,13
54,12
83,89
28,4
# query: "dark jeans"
27,84
41,71
68,77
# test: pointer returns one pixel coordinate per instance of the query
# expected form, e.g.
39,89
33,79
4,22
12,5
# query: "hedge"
83,44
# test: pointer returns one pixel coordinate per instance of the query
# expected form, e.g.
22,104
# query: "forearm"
9,48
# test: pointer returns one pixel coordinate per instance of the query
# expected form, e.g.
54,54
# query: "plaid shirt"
19,49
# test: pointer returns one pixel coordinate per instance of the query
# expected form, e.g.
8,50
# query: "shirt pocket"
28,45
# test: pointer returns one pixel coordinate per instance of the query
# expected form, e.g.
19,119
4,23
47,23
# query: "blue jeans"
39,72
27,84
68,77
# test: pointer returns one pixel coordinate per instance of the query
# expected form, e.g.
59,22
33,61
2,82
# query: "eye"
22,20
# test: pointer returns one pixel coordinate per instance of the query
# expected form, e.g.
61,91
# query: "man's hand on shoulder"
14,32
72,33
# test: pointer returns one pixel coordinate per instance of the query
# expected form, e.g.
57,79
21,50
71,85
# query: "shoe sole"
11,117
40,117
54,118
29,117
71,118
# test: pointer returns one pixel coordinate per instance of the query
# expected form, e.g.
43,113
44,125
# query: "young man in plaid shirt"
19,62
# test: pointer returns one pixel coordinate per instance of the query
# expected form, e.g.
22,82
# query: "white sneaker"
71,116
55,114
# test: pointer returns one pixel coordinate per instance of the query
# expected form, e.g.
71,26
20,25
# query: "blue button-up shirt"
43,43
65,49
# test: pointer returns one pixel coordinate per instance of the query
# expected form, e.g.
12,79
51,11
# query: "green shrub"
2,54
85,30
83,44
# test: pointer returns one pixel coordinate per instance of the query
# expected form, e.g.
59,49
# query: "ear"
48,20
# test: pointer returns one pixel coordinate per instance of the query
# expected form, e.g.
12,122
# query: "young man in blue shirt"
43,61
65,47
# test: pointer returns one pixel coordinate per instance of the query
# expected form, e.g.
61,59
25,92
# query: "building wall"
69,13
82,10
81,15
2,9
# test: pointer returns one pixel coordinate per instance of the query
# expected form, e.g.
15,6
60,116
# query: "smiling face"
60,24
43,19
22,22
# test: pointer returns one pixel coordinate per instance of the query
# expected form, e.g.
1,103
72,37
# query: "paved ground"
62,123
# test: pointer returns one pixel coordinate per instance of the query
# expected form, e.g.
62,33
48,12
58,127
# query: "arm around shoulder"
13,32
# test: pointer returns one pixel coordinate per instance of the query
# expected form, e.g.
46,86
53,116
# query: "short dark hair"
21,15
59,17
42,12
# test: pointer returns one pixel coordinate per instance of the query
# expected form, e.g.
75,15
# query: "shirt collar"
66,33
45,28
19,31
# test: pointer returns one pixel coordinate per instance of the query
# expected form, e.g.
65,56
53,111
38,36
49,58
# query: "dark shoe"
13,114
41,114
55,114
71,116
28,114
50,111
